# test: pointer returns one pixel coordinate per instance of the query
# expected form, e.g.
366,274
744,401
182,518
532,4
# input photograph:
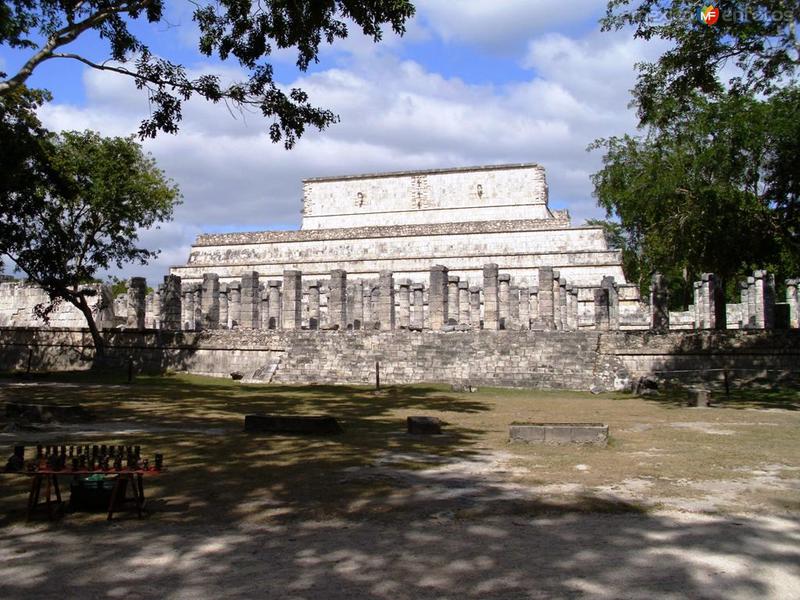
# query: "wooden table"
50,477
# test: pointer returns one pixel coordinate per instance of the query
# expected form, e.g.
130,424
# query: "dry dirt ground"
699,503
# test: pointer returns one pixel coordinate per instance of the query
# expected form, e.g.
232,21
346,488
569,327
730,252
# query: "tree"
246,31
80,212
757,40
716,190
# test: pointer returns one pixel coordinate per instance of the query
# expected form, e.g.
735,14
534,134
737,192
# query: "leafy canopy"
716,190
245,31
756,40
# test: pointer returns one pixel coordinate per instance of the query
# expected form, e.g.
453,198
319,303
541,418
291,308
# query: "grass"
743,455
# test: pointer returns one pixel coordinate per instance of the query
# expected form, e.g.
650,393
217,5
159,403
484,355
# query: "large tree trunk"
99,343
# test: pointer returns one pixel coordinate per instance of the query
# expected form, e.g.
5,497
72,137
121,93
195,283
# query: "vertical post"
503,285
659,303
210,301
377,375
524,308
764,287
274,289
571,306
291,308
613,302
601,309
313,305
171,304
545,295
533,304
452,300
234,304
562,302
404,303
250,301
223,305
751,302
137,292
366,305
437,297
337,299
715,302
475,307
386,315
158,295
557,313
792,301
197,290
418,315
355,304
463,303
491,297
263,307
187,291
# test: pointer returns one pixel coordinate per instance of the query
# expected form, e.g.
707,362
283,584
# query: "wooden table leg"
33,497
140,481
113,501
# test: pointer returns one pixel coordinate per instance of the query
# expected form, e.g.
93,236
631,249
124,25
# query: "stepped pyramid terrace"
406,221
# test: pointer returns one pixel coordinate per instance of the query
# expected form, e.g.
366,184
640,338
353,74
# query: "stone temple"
404,222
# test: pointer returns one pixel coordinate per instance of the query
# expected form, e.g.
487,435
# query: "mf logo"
708,14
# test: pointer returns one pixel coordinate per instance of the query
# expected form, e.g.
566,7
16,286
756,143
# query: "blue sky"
470,83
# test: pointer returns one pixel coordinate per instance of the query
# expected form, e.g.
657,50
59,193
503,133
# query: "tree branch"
65,36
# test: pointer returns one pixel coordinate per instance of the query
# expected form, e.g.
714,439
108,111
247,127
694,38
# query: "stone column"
524,308
545,294
751,302
223,305
386,315
197,290
158,295
291,304
792,301
171,304
475,307
137,293
263,308
418,314
274,291
697,295
601,309
437,297
713,302
355,304
337,300
187,317
533,304
463,302
250,301
210,301
404,303
613,302
234,304
571,305
513,303
452,300
744,313
562,302
503,285
491,297
373,306
659,303
764,287
313,305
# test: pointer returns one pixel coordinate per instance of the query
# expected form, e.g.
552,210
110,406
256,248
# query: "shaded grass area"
219,473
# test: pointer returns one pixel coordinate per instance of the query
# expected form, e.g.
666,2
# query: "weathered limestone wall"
579,253
540,359
18,301
434,196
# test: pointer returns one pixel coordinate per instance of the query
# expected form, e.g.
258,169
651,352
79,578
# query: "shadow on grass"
783,398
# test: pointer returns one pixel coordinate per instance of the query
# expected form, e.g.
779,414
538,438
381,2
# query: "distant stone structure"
405,222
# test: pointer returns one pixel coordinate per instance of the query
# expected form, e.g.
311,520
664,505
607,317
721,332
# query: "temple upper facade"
405,222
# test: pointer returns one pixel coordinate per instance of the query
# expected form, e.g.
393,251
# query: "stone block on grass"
424,425
559,433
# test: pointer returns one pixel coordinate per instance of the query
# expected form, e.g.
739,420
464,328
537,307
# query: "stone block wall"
18,301
537,359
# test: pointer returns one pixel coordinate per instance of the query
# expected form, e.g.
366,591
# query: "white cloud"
502,26
395,114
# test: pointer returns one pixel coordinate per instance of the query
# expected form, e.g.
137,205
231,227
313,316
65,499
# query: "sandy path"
664,555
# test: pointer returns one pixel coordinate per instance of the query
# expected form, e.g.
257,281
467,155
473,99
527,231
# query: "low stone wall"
537,359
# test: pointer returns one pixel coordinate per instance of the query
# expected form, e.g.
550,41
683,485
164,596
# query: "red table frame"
134,476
